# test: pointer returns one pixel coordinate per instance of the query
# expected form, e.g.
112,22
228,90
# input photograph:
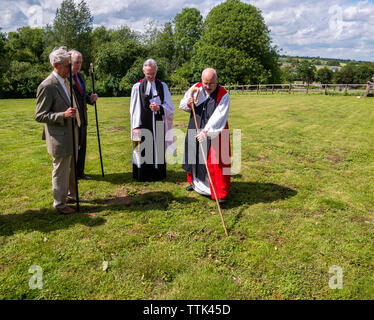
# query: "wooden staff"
73,128
195,101
97,121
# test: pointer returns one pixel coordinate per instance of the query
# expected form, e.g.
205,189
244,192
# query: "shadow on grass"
143,201
44,220
47,220
126,177
250,193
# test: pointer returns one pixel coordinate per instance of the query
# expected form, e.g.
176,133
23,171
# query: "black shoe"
221,200
190,188
84,177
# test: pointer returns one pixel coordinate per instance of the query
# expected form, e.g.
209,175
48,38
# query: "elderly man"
83,98
53,109
212,113
151,115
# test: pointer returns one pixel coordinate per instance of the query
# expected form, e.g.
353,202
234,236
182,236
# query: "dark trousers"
82,150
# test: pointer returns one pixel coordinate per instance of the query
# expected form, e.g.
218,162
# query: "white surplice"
213,128
168,106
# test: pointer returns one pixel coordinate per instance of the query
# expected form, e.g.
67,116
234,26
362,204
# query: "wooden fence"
292,88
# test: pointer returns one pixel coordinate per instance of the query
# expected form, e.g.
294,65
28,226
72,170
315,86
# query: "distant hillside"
319,61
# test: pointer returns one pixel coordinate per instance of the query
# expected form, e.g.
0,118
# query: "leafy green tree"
188,28
335,63
346,75
100,36
364,72
73,26
237,44
22,79
3,62
165,45
324,75
289,74
306,71
113,61
26,44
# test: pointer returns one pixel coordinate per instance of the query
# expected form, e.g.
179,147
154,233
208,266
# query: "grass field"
301,204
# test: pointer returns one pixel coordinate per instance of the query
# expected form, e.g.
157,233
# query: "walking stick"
195,89
97,122
73,128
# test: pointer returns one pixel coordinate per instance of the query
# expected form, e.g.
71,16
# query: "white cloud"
335,28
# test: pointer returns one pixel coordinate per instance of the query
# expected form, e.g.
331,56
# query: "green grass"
302,202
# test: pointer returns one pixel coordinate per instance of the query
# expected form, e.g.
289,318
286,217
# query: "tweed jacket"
51,103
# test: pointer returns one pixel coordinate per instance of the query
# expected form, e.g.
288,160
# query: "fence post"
325,89
345,89
367,89
289,88
258,88
272,89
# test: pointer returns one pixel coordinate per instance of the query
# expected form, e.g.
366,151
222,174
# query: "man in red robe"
212,112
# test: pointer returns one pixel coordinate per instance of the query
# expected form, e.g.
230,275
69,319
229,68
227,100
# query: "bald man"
212,112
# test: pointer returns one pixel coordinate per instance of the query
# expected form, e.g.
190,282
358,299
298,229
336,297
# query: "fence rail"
291,88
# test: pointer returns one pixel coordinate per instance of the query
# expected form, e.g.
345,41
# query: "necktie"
78,85
67,84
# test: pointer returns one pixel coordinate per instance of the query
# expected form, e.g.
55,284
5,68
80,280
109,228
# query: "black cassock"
154,166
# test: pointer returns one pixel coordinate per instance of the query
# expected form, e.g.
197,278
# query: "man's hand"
93,97
154,107
136,133
202,136
190,101
70,113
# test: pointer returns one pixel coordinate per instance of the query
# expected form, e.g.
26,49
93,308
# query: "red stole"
219,148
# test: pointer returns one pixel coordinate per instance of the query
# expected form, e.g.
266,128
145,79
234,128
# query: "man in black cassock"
151,115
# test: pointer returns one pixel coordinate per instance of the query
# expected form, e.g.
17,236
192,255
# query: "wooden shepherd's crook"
195,101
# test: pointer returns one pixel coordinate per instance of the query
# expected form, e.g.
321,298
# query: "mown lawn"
302,203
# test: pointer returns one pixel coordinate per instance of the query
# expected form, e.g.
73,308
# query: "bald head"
209,72
209,79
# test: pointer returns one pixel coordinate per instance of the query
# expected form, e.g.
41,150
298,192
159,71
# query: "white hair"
75,53
58,55
150,63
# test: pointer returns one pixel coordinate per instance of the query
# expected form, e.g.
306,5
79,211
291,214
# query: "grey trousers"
63,178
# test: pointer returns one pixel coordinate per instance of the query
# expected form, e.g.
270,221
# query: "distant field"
302,203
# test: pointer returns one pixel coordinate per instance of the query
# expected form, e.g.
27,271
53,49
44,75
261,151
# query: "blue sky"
331,29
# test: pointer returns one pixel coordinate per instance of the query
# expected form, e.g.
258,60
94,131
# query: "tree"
289,74
364,72
237,44
113,61
72,27
187,31
335,63
165,46
306,71
3,62
324,75
346,75
26,44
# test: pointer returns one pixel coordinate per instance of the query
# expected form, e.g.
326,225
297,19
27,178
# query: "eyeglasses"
208,84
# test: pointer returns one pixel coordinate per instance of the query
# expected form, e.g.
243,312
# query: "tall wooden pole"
205,159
